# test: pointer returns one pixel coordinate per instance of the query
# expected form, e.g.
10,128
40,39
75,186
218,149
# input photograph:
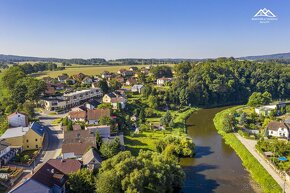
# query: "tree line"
227,81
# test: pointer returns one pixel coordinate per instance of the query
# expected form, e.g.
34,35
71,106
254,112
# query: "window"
35,139
36,146
27,140
27,146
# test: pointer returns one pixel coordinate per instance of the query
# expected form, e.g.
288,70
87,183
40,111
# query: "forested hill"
13,58
281,56
228,81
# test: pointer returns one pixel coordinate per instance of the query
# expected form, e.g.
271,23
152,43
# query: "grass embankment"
257,171
85,69
147,140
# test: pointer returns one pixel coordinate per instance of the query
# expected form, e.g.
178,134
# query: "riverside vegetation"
257,171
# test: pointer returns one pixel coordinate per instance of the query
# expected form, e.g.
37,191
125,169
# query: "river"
215,167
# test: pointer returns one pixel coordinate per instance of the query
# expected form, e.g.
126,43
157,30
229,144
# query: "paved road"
54,136
250,145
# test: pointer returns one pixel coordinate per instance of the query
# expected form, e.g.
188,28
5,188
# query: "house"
69,100
49,90
6,153
25,138
79,108
58,86
106,75
131,81
137,88
121,71
62,78
17,120
278,129
87,80
163,81
75,127
92,160
120,79
77,143
103,130
115,100
92,104
144,70
133,68
79,77
265,110
94,115
66,166
77,116
50,178
125,72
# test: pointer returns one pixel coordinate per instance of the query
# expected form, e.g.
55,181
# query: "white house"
265,110
18,120
278,129
137,88
163,81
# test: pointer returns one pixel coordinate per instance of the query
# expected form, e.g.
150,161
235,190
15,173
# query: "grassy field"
147,140
85,69
257,171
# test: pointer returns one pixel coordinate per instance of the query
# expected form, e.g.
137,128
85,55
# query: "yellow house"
26,138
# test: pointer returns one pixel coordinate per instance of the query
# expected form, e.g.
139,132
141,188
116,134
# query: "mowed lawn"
85,69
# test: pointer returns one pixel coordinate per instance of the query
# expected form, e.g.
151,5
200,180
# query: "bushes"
176,145
257,171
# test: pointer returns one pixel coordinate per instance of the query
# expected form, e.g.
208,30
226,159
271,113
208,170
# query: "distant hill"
92,61
281,56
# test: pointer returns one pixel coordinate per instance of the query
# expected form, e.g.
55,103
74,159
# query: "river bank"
215,167
257,171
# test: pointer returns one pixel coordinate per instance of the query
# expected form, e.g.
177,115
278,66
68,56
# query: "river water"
215,167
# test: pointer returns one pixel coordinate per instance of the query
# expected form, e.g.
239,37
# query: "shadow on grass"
134,142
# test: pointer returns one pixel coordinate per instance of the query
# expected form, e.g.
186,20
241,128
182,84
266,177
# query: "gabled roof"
37,128
96,114
90,156
16,113
66,166
275,125
49,176
77,114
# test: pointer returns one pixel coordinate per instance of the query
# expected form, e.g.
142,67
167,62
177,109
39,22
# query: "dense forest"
227,81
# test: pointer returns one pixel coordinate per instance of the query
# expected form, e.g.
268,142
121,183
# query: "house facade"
72,99
278,129
17,120
94,115
163,81
25,138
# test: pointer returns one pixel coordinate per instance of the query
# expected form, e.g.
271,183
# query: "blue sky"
142,28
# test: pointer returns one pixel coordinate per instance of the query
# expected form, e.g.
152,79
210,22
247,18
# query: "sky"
142,28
